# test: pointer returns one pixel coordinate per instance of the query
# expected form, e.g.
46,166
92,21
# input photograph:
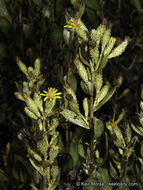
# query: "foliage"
85,59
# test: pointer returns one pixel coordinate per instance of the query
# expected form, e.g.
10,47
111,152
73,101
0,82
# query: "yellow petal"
45,98
58,97
58,93
43,94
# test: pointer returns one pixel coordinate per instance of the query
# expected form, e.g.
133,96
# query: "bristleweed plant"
43,149
96,47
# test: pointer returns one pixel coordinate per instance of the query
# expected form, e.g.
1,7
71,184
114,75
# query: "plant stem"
44,183
20,27
67,138
91,129
123,166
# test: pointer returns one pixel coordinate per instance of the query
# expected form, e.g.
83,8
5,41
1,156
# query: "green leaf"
98,128
19,96
40,82
92,4
136,129
103,63
81,150
55,183
38,168
128,134
137,5
73,82
90,187
28,30
38,3
142,150
74,106
113,171
66,36
33,187
107,97
106,152
74,118
56,36
81,10
49,106
3,51
5,26
104,176
84,87
61,144
74,153
3,9
101,177
118,50
92,17
59,7
86,106
3,176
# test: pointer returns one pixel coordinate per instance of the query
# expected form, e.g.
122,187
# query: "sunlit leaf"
107,97
74,118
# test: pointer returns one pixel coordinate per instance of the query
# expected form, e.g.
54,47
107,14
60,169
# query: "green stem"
44,129
91,125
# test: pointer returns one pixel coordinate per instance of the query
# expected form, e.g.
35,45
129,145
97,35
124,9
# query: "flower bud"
110,46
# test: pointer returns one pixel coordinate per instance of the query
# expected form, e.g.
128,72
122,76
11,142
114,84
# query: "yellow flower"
51,94
112,40
110,126
73,23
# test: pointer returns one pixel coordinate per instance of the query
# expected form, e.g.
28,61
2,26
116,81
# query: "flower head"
51,94
73,23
